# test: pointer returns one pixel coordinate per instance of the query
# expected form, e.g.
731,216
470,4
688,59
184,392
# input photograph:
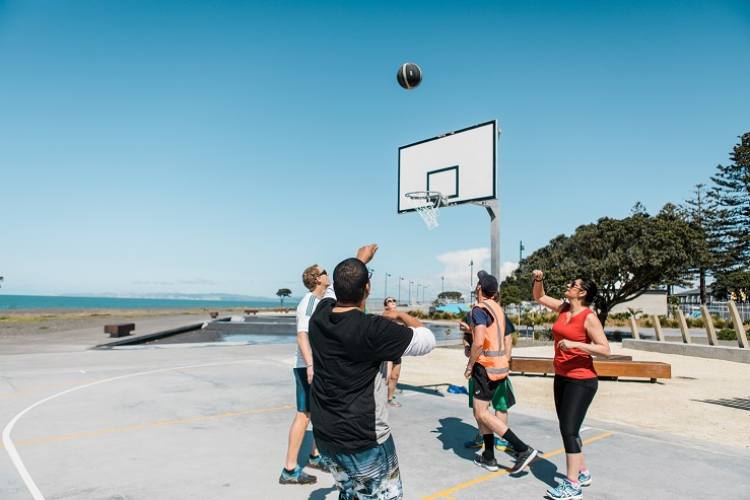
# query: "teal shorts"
502,400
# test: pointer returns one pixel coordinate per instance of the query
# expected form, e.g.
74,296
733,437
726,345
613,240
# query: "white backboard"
461,165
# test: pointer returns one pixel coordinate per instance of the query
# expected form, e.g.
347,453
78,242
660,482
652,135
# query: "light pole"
386,286
442,289
410,284
424,287
471,281
400,279
418,293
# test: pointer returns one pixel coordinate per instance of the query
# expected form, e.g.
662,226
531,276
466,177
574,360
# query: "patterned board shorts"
369,475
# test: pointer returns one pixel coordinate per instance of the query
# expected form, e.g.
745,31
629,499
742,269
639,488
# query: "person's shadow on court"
453,433
321,493
544,470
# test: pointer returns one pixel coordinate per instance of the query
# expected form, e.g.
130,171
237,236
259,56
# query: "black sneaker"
522,460
490,465
296,477
319,463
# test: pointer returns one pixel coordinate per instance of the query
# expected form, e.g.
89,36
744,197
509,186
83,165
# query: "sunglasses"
323,273
369,274
390,301
574,284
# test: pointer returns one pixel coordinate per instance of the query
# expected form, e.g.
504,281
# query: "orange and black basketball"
409,76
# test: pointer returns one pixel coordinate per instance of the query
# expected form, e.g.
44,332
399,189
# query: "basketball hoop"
427,205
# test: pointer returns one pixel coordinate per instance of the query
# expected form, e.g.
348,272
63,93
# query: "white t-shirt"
304,310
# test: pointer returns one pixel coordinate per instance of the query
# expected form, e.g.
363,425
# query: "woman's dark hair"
385,302
349,281
592,294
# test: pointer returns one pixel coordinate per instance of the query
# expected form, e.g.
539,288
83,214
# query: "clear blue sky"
197,147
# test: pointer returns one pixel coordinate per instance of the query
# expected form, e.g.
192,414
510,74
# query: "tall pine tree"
729,221
699,215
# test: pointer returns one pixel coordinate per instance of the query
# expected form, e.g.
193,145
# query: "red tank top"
572,363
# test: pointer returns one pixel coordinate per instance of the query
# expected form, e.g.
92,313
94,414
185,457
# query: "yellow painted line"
447,493
148,426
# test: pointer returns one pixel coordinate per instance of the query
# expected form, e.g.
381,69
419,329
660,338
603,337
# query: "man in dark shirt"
349,392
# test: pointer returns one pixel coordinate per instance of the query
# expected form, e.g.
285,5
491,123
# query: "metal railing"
719,309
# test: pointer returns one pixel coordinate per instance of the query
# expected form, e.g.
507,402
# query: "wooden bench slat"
615,366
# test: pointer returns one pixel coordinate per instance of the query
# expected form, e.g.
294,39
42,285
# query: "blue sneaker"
296,477
477,442
584,478
319,463
565,491
502,444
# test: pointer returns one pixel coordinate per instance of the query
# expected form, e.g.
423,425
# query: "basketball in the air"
409,76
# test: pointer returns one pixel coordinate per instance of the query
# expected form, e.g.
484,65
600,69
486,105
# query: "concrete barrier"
739,328
657,328
709,323
683,326
634,328
735,354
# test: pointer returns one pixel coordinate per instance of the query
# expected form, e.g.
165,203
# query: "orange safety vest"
493,356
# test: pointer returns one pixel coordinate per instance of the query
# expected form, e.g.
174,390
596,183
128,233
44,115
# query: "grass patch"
22,319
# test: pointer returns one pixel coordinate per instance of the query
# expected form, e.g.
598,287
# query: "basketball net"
427,205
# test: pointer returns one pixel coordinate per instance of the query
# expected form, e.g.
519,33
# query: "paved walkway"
211,422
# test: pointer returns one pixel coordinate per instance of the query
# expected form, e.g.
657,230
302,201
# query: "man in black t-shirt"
349,392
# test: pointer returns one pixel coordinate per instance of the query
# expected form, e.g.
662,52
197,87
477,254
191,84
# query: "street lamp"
442,289
400,279
418,293
423,289
410,284
386,286
471,281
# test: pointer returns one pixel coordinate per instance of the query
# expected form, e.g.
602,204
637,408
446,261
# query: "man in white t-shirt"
316,280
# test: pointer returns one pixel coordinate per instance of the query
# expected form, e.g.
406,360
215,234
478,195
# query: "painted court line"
149,426
447,493
10,446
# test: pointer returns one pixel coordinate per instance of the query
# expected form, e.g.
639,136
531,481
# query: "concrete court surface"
211,422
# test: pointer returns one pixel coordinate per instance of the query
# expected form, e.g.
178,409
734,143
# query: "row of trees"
707,236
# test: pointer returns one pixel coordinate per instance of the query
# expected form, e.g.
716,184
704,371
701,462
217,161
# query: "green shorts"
502,400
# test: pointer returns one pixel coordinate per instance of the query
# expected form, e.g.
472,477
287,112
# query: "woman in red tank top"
578,336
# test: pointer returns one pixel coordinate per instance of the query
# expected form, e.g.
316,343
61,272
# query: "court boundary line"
11,449
447,492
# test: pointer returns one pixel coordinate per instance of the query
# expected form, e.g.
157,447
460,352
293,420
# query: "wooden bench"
119,330
614,367
251,311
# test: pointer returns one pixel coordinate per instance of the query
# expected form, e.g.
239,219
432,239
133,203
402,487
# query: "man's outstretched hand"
367,252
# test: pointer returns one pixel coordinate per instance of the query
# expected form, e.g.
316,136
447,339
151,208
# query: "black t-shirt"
349,391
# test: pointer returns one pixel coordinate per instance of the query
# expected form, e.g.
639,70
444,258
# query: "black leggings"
572,399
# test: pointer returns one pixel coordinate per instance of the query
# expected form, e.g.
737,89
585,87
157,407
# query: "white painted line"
11,448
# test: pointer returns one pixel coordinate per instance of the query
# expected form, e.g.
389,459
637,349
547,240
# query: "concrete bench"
251,311
615,366
119,329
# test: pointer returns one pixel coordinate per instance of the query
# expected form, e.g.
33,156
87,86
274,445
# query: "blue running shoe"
565,491
584,478
296,477
319,463
501,444
477,442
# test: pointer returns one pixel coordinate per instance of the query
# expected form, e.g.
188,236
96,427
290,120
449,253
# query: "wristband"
538,281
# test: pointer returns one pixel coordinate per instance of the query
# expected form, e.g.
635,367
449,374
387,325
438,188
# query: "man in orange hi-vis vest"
488,367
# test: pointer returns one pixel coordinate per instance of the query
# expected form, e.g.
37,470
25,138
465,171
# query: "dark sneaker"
296,477
490,465
319,463
522,460
477,442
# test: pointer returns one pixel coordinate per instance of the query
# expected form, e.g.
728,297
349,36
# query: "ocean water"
59,302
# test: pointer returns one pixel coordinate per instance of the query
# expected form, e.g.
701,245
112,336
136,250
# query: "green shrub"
621,316
647,323
543,334
729,334
694,322
718,322
514,337
417,314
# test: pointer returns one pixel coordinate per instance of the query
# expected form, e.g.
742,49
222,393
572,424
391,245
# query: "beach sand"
695,403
